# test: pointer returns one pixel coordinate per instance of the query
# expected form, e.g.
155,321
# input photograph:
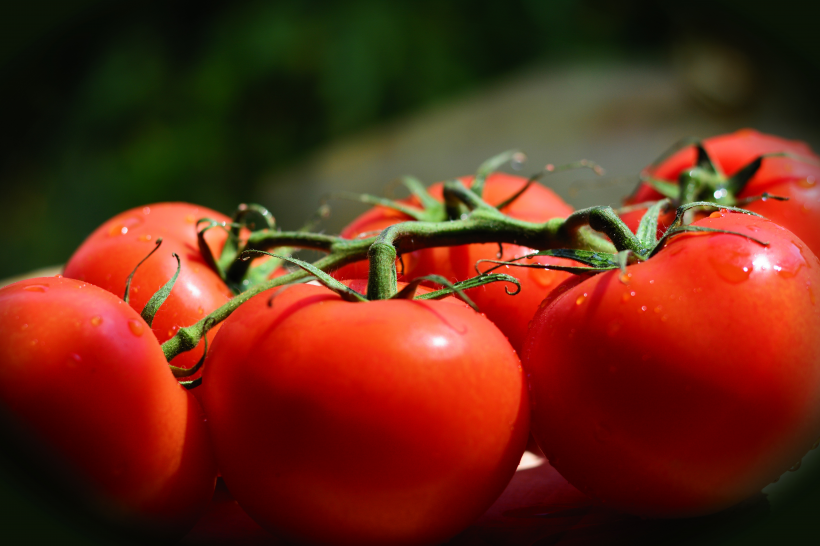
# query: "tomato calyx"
631,247
705,181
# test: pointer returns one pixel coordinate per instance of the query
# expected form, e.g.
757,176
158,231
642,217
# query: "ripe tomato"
86,388
693,385
112,251
510,313
422,406
781,176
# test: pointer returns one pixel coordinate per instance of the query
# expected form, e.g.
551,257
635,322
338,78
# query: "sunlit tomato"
689,383
781,176
112,251
510,313
86,393
387,422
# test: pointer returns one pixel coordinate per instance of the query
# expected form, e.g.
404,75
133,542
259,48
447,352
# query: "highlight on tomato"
731,169
691,380
381,422
87,399
510,313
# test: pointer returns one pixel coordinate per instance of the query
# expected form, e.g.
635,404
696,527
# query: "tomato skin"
109,255
390,422
691,387
81,375
781,176
510,313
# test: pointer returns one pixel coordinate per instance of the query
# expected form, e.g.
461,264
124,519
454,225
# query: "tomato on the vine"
85,387
691,381
109,255
383,422
510,313
796,177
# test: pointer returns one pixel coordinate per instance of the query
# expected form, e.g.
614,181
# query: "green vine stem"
481,224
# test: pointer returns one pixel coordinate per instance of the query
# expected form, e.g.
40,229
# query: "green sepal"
648,228
450,287
345,292
254,218
596,260
491,165
191,384
160,296
127,294
204,249
473,282
670,190
433,208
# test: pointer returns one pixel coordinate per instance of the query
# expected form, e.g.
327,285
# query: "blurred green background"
106,106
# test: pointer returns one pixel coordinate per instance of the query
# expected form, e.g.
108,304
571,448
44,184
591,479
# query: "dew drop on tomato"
36,288
581,299
136,327
808,182
72,360
96,320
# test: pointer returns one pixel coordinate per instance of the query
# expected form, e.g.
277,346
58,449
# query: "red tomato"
421,404
84,383
110,254
510,313
782,176
693,385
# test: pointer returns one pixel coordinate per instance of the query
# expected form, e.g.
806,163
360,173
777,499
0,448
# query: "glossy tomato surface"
690,386
85,386
510,313
112,251
781,176
388,422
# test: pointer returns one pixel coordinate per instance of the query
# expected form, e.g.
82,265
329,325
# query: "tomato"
86,388
385,422
782,176
112,251
689,387
510,313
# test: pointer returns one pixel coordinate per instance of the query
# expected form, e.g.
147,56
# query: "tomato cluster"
667,364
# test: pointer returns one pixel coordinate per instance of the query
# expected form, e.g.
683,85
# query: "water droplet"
808,182
544,277
36,288
549,167
733,264
643,308
146,210
24,326
58,276
796,466
624,277
144,238
136,327
581,299
121,228
716,214
658,309
816,444
627,296
96,320
664,318
190,218
651,281
200,310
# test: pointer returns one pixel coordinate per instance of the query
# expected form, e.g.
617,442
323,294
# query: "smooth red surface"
689,387
388,422
81,373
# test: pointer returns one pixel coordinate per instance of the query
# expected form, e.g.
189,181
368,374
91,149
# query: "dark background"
106,106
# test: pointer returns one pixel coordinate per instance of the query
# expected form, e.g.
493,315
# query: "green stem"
483,225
